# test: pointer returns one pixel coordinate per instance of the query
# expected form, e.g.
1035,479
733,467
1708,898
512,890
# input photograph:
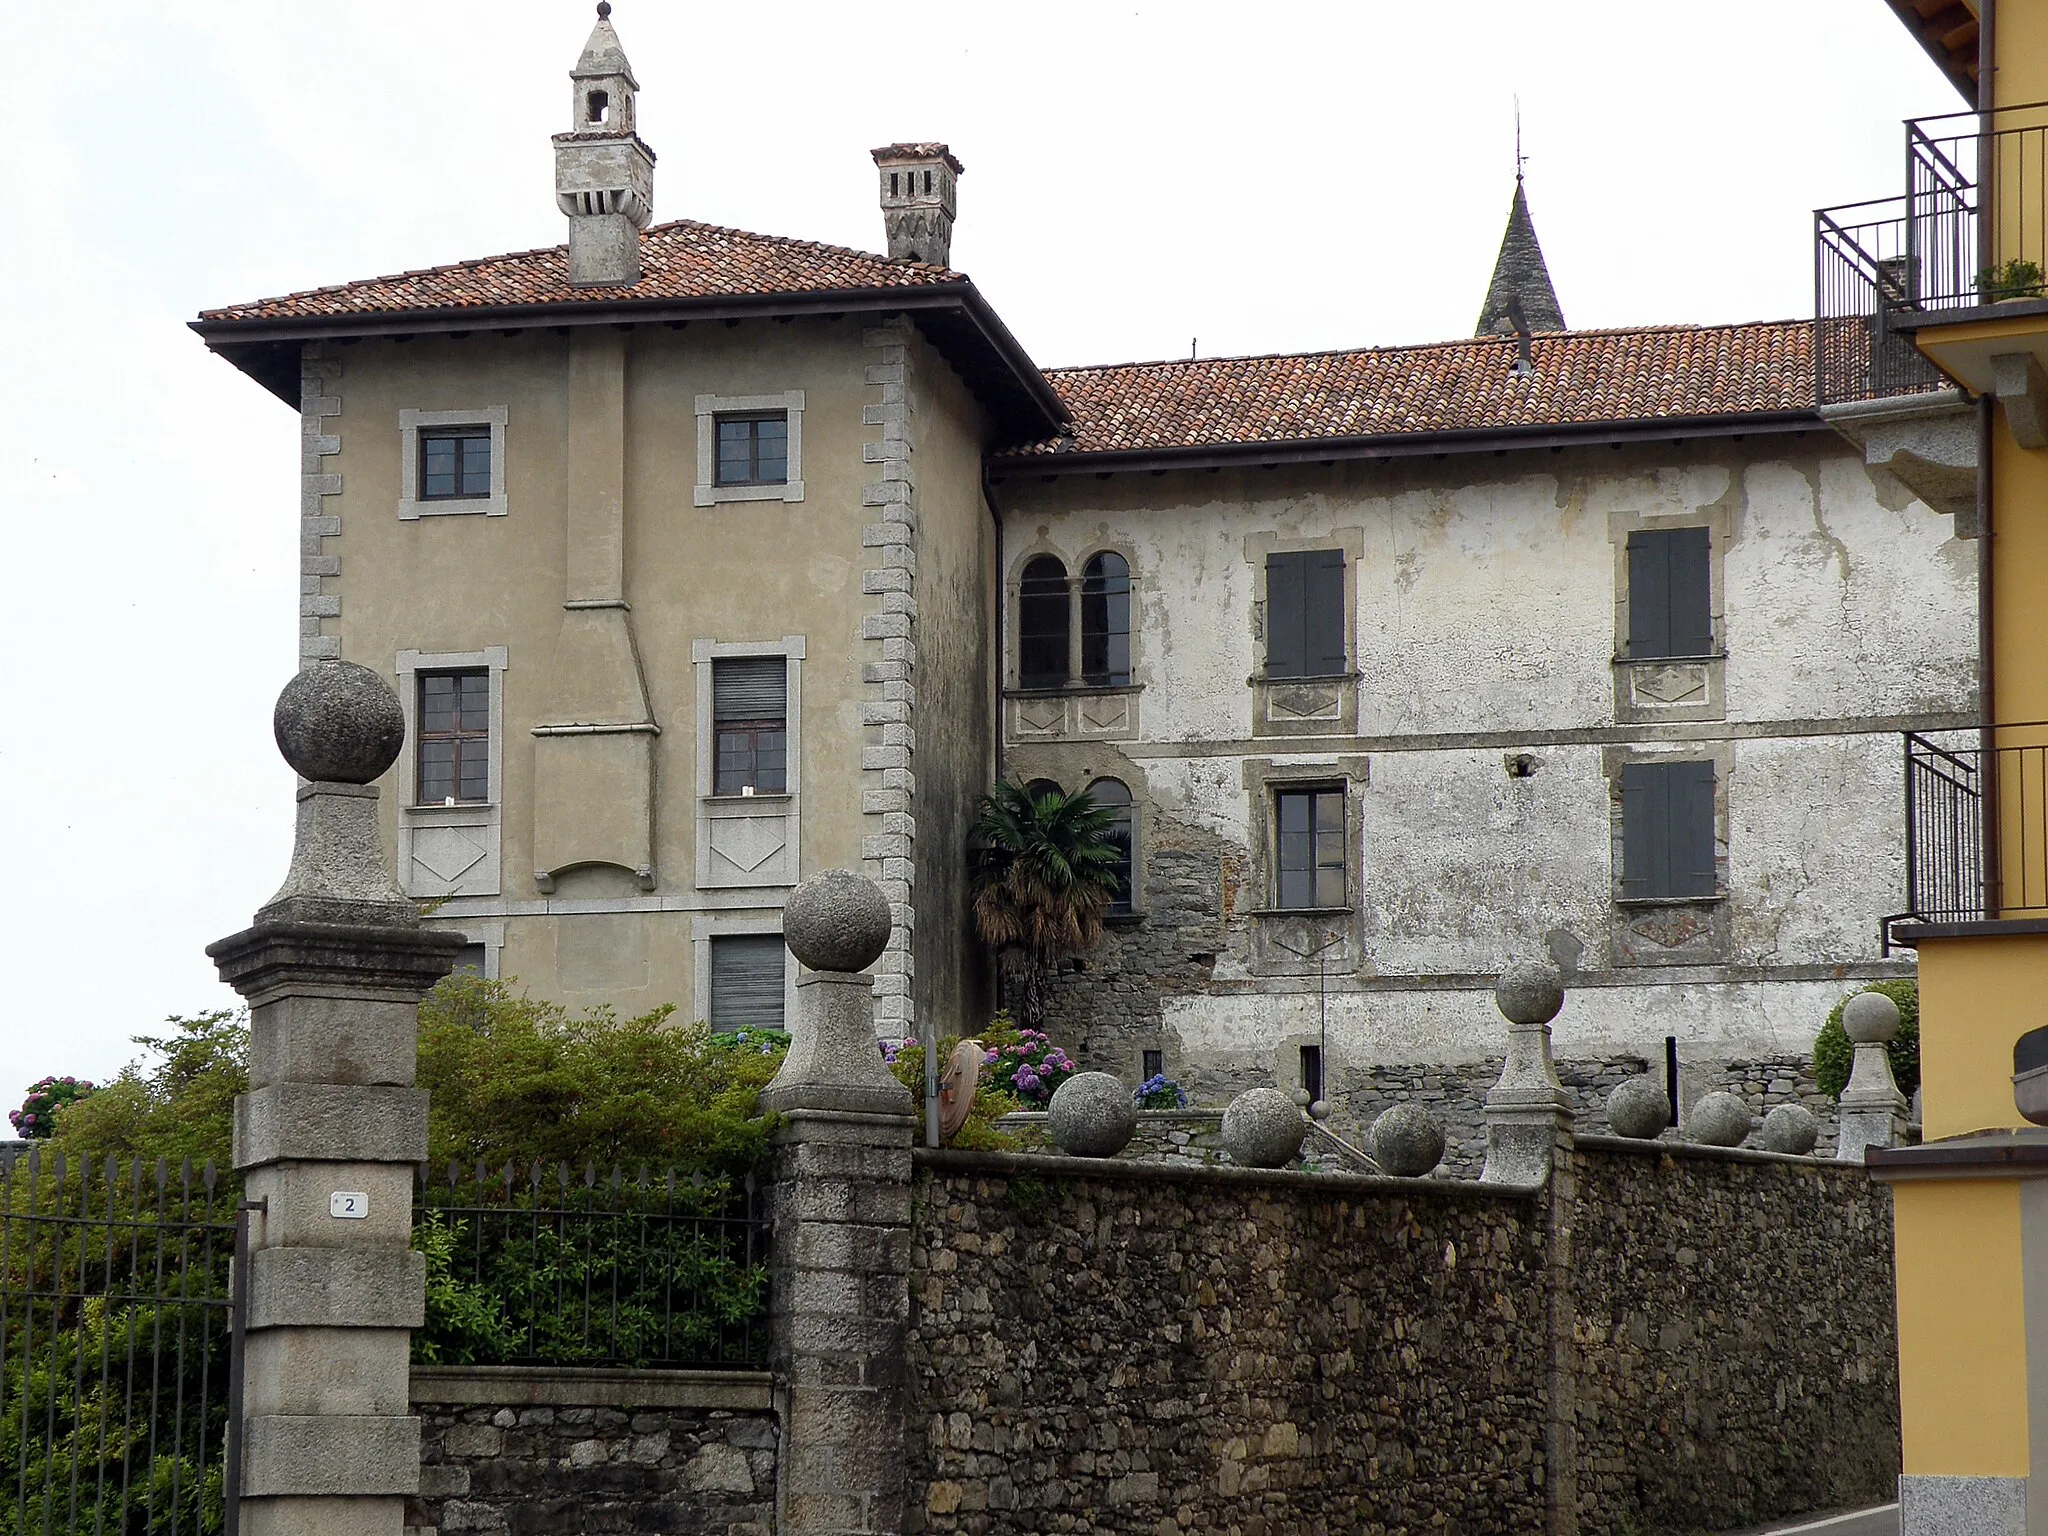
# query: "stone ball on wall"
836,921
1789,1128
1091,1115
338,723
1639,1109
1529,993
1719,1120
1406,1142
1263,1128
1870,1018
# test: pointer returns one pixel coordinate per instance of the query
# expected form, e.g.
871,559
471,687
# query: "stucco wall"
1488,616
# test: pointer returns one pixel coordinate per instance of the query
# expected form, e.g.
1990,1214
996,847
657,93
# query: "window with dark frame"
1114,796
1153,1065
455,463
1670,593
753,449
1106,621
1305,614
1309,826
746,981
1312,1072
1667,831
470,959
1042,619
750,725
453,751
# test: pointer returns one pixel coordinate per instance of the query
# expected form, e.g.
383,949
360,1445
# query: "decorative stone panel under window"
750,448
452,462
749,762
451,768
747,981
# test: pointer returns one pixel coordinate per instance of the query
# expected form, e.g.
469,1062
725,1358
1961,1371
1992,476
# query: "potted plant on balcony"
2010,280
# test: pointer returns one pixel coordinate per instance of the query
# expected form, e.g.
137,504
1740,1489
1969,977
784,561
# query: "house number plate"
348,1204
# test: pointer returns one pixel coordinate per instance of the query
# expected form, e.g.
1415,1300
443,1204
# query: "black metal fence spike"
208,1178
590,1175
163,1173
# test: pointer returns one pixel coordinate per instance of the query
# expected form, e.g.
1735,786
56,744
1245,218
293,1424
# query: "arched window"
1042,621
1106,621
1038,789
1114,796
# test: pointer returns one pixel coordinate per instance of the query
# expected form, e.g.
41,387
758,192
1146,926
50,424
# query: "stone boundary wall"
525,1451
1118,1346
1735,1337
1191,1136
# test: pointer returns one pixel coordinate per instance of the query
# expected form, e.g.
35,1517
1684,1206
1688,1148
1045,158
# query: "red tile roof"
680,260
1579,377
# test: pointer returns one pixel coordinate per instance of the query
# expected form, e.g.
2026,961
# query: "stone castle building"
704,560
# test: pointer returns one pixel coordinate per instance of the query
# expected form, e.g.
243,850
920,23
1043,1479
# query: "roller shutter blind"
1670,595
746,981
749,688
1667,830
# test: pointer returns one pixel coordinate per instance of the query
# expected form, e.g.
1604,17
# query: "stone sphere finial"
1720,1120
338,723
1406,1142
1870,1018
836,921
1529,993
1263,1128
1639,1108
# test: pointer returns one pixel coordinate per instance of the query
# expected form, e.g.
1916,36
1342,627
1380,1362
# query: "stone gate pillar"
1873,1109
329,1134
841,1250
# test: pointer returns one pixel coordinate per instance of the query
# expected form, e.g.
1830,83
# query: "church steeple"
604,174
1519,273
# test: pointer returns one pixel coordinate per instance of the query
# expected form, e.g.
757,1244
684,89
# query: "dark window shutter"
1667,830
1670,593
749,688
1691,603
1287,615
1692,828
1325,609
746,981
1649,597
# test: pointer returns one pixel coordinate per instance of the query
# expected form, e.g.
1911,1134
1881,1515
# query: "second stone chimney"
604,173
918,183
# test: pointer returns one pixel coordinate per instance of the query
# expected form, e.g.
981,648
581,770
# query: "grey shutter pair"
746,981
1305,614
1667,830
1670,596
749,688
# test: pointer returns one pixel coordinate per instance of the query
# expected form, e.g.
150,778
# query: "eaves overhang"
954,317
1404,445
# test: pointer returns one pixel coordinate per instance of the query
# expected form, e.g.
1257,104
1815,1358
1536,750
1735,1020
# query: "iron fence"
118,1347
540,1265
1864,280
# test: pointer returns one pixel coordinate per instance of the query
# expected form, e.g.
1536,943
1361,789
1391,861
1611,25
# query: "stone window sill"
1262,680
1071,690
1668,661
766,797
1302,911
1671,901
441,808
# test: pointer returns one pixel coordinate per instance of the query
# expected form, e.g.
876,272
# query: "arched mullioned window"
1042,620
1038,789
1114,796
1106,621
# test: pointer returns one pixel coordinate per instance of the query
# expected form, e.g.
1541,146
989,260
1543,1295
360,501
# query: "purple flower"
991,1059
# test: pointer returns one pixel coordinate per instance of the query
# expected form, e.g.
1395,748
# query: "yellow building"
1950,274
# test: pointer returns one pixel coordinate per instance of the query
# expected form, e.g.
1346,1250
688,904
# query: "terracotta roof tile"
1580,377
680,260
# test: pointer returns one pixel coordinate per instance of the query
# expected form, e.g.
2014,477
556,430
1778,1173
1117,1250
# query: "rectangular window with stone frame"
1667,831
749,711
1305,614
1309,847
747,974
452,756
1670,594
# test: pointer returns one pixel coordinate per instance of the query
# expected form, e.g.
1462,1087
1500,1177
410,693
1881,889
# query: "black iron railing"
117,1347
542,1265
1883,269
1863,281
1976,825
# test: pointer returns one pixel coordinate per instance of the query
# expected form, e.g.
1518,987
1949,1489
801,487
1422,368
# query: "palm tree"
1044,867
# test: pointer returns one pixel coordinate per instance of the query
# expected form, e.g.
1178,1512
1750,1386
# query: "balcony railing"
1883,269
1962,803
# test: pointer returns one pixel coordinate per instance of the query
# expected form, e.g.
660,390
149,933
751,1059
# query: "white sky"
1281,176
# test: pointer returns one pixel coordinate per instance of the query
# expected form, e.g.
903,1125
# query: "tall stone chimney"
917,200
604,174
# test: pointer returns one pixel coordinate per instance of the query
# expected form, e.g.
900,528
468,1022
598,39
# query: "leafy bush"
1159,1092
180,1106
2014,279
1834,1052
36,1120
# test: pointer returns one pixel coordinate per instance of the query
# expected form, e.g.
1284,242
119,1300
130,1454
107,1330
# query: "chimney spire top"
1520,278
604,173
